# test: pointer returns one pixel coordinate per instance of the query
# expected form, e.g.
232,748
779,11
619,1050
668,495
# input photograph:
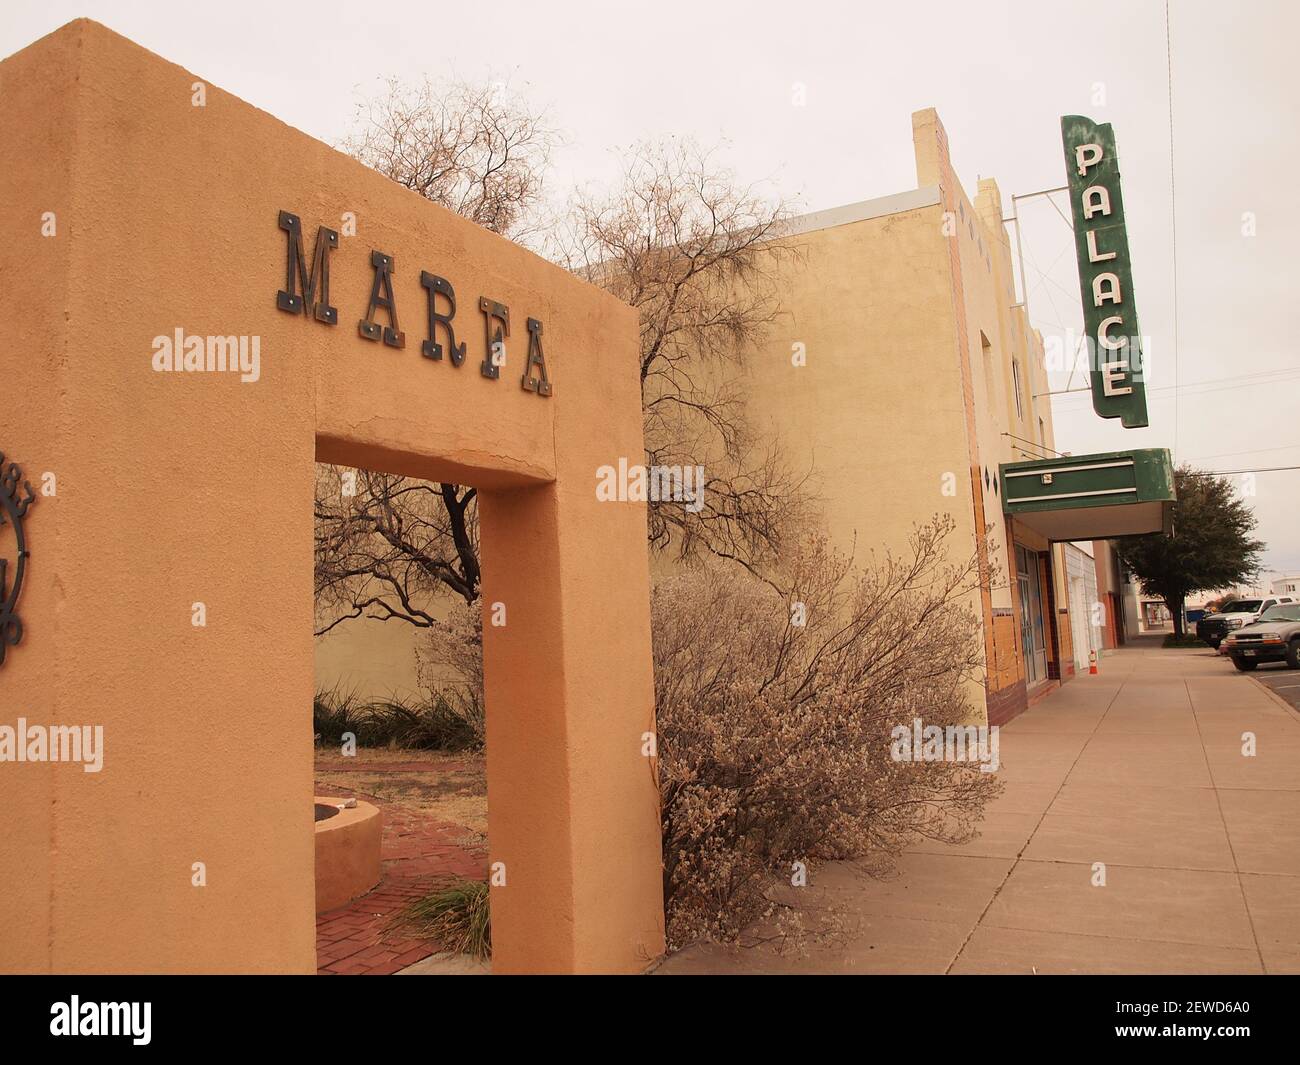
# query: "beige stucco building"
905,374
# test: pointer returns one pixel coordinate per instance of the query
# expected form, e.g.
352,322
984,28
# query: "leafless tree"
697,253
679,239
385,545
393,543
478,150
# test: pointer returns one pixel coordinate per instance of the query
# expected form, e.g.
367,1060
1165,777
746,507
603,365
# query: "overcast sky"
1000,74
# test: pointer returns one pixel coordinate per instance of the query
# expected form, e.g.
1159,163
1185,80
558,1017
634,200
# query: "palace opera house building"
923,390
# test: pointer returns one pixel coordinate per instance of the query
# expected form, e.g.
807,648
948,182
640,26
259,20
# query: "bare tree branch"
387,549
478,150
698,255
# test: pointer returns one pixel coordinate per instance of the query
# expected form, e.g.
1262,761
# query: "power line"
1205,387
1173,208
1249,451
1267,469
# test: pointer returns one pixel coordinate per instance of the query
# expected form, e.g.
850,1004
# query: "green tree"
1210,547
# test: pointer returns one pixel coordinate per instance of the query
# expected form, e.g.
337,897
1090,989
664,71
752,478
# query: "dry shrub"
457,917
449,668
774,739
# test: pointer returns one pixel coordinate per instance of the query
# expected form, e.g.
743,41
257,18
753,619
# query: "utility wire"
1266,469
1236,454
1206,387
1173,209
1267,377
1045,276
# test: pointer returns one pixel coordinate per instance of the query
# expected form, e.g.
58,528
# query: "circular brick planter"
347,853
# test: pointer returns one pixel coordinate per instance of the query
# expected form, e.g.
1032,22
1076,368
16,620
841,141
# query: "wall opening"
399,722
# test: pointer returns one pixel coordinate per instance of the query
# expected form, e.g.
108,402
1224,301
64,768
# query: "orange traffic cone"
1092,663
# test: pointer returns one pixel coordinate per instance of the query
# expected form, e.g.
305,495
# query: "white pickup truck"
1213,628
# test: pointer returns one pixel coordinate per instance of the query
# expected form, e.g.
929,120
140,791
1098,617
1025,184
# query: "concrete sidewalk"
1140,768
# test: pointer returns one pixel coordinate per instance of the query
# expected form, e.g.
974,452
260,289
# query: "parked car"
1274,637
1232,616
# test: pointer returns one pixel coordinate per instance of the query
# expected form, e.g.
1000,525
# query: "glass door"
1031,615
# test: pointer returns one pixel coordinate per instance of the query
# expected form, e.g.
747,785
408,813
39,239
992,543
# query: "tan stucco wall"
34,344
374,657
998,340
877,414
874,415
900,396
175,488
371,659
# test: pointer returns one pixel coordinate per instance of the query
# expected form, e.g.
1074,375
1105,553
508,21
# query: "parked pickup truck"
1232,616
1275,637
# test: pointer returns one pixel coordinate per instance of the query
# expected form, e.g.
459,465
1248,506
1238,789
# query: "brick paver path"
417,854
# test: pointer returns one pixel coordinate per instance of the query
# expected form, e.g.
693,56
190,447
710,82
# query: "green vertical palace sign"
1105,273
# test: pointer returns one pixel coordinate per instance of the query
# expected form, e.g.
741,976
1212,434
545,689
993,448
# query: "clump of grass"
456,916
447,720
439,724
336,712
1186,640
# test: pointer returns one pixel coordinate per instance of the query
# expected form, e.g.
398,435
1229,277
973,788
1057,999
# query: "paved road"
1285,682
1142,769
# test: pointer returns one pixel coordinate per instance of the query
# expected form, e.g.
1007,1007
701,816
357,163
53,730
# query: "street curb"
1275,697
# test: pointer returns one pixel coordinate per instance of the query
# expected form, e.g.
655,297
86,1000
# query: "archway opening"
399,725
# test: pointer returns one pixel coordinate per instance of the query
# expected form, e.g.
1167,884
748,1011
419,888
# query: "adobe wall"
180,488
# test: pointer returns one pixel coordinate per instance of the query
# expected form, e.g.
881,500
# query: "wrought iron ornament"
12,511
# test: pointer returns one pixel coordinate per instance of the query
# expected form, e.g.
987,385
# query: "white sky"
1000,74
